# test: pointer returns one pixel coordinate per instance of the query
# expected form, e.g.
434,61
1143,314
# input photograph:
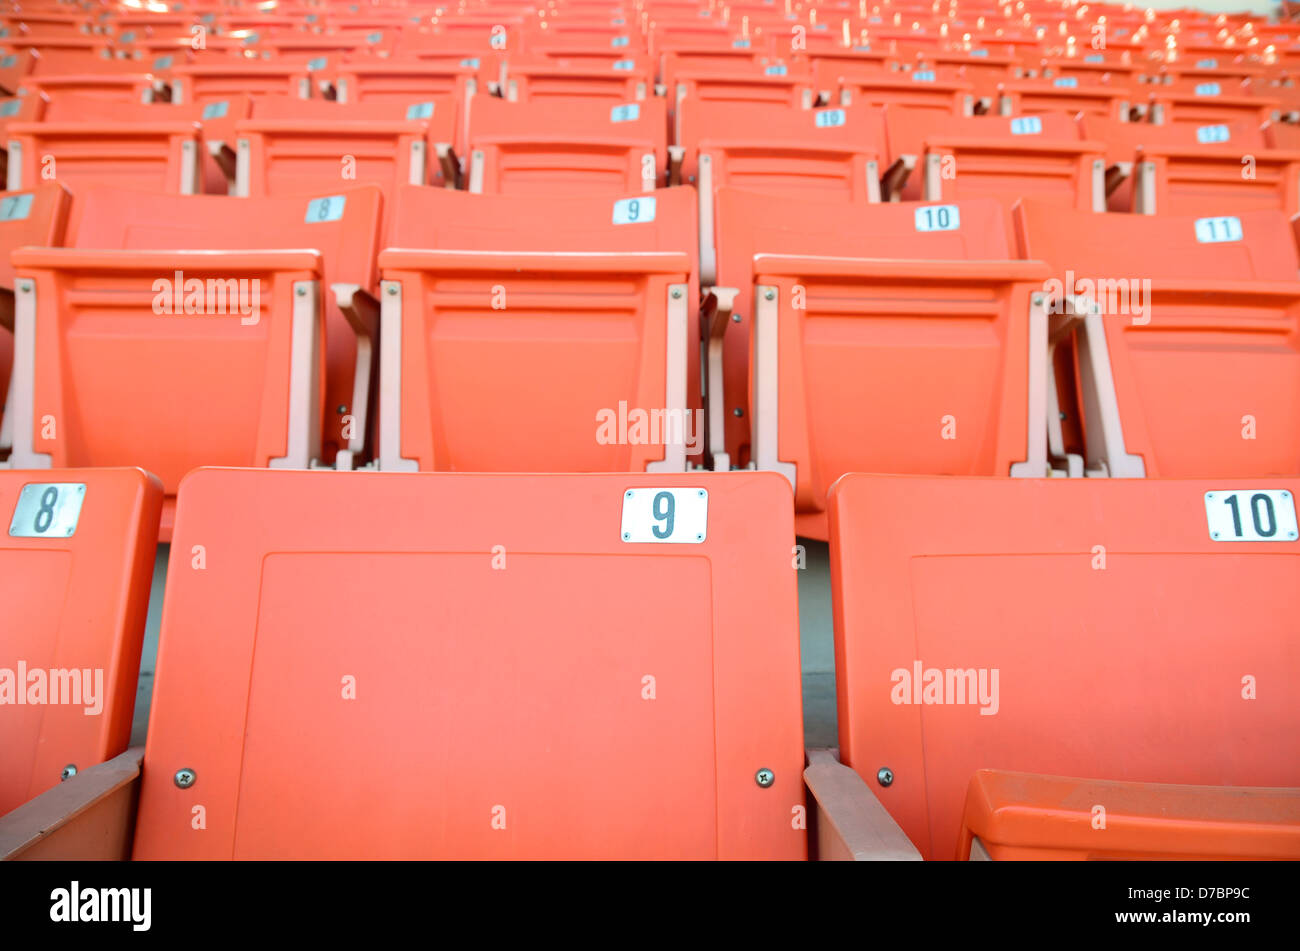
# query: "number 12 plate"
677,516
1251,515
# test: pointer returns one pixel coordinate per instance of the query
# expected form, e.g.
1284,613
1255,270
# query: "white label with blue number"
1094,58
1212,134
830,118
419,110
629,211
938,218
10,107
16,207
215,110
778,70
1251,515
1207,64
618,41
317,64
163,62
923,76
48,510
628,112
1066,82
1026,125
326,209
665,516
625,65
1217,230
1207,89
740,44
470,63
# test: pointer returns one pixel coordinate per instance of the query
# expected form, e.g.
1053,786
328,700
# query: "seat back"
915,315
1074,627
566,146
540,771
231,355
528,79
76,565
220,80
1210,101
1197,328
576,307
294,146
918,90
1067,95
131,145
1004,157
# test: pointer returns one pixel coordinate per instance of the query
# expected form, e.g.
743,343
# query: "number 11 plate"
675,516
1251,515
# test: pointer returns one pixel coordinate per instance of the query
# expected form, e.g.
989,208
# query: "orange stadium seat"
208,81
920,90
559,146
530,319
543,79
1184,169
1189,338
1099,605
1209,102
294,146
564,772
76,559
1069,95
132,145
1007,157
232,356
917,316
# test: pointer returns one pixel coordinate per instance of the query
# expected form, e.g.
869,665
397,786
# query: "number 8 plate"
677,516
1251,515
48,510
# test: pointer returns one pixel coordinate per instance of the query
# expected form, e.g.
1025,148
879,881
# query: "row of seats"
985,658
969,341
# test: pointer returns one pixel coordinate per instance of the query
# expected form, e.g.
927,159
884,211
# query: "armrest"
851,824
90,816
676,155
449,163
895,177
361,310
1026,815
715,314
1115,175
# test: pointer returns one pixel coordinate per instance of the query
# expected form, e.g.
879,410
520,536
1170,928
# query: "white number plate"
677,516
48,510
1217,230
628,211
1251,515
938,218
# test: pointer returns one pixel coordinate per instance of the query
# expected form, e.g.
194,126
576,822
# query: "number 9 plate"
48,510
676,516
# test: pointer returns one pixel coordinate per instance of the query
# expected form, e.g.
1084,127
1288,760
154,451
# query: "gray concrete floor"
815,642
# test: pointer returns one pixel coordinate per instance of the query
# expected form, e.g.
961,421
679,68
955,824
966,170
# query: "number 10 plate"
1251,515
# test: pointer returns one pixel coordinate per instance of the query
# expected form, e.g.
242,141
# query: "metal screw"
1286,495
677,293
1038,300
626,536
185,778
69,771
342,410
885,776
699,538
769,295
737,412
735,318
301,291
765,777
392,289
1214,534
629,493
701,493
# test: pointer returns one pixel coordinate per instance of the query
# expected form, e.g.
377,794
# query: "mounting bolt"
737,412
677,293
68,771
392,289
342,409
885,776
301,291
769,294
765,777
185,778
735,318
